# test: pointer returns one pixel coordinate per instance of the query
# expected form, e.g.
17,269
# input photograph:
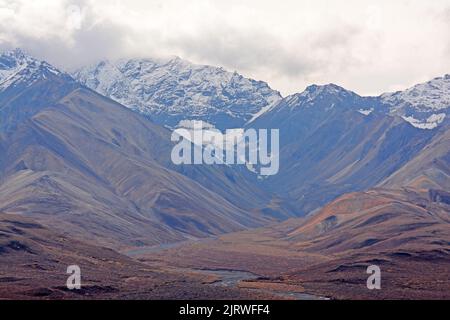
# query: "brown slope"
404,233
379,220
90,166
34,261
403,227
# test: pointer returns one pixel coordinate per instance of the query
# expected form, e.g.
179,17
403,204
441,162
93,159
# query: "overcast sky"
366,46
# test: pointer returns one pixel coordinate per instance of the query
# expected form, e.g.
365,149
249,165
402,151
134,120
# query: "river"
231,278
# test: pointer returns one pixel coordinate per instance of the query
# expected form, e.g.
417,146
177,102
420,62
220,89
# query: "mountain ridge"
168,89
79,162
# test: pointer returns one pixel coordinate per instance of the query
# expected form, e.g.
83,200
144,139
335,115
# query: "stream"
226,277
231,278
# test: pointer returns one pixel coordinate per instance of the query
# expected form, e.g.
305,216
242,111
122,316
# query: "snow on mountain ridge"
173,90
16,67
329,95
417,105
11,62
424,105
434,94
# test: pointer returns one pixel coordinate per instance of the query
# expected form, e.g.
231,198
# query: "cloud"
366,45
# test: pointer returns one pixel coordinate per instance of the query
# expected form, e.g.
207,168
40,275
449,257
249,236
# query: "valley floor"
265,264
255,264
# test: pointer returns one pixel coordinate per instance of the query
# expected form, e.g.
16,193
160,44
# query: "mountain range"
86,156
84,163
168,90
173,90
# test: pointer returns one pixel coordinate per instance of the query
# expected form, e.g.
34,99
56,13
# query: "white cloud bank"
367,46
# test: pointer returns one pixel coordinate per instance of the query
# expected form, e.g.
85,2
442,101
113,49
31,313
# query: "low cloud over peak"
368,46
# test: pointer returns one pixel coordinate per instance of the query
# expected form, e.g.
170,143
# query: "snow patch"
430,123
265,109
365,112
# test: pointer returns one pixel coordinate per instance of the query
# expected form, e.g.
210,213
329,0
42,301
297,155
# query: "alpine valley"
86,179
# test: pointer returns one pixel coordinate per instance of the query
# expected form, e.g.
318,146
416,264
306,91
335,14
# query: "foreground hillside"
406,234
34,262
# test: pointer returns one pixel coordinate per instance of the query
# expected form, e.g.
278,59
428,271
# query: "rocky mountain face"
334,141
27,85
429,170
425,105
173,90
81,163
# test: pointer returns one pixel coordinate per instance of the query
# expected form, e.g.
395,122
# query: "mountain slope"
428,170
86,165
174,90
375,221
24,82
333,141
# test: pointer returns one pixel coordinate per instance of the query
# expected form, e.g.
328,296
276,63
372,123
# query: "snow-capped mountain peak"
12,61
424,105
431,95
314,91
174,89
322,97
18,68
15,55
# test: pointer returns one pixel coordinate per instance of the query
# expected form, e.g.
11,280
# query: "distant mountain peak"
172,90
16,53
27,86
329,89
328,96
432,95
13,58
19,68
324,87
